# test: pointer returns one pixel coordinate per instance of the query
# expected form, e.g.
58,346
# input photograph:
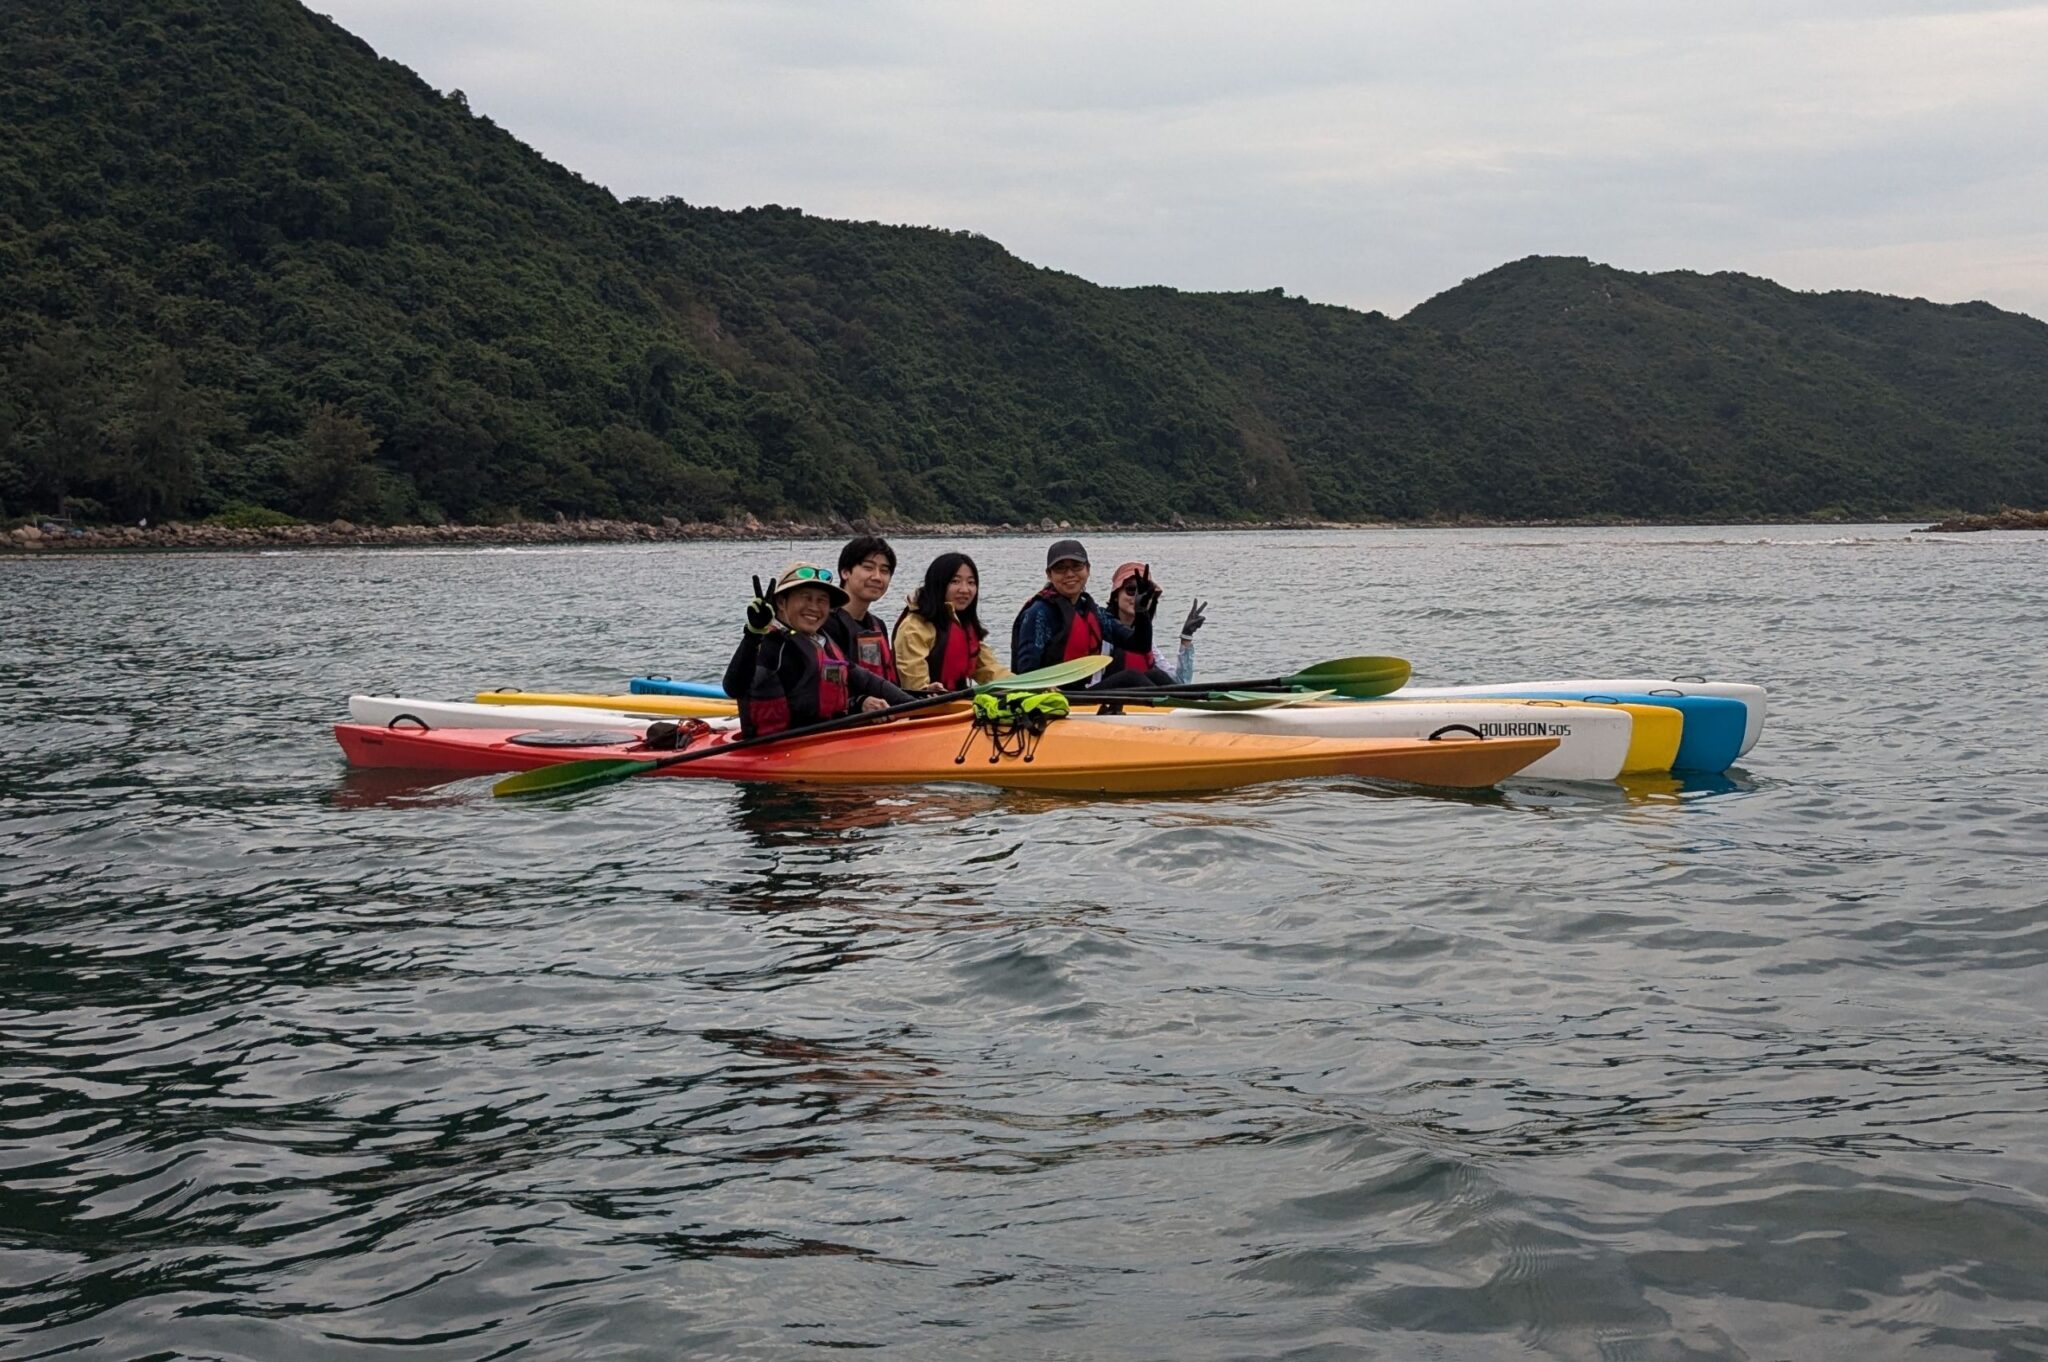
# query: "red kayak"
1066,756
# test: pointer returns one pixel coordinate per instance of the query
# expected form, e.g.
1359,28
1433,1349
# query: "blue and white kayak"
1752,696
1722,718
662,685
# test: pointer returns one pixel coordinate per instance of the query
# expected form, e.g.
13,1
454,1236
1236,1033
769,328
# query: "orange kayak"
1067,756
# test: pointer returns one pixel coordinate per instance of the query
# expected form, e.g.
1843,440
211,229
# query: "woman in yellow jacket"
942,646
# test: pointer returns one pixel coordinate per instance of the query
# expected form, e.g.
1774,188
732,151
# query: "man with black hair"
866,566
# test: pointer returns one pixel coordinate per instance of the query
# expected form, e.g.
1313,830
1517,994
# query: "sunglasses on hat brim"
806,576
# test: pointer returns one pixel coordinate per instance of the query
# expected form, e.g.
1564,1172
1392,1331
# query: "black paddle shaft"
844,721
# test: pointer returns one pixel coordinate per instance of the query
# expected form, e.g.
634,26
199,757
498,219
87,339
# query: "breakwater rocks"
49,537
2007,519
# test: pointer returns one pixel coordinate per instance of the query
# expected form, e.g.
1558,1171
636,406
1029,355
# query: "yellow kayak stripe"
667,706
1652,738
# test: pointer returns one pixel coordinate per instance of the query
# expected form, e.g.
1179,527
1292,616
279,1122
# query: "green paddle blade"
1355,677
1050,678
570,775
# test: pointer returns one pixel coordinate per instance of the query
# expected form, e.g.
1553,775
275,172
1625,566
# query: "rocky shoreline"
2007,519
342,534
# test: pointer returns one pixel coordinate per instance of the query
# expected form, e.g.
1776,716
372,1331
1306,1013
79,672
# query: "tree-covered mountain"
244,260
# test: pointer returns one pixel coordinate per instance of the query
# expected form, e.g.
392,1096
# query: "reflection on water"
297,1061
810,814
359,787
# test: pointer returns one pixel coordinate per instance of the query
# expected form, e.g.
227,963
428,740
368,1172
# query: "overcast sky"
1356,152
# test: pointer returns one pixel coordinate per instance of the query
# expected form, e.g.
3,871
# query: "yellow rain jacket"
913,642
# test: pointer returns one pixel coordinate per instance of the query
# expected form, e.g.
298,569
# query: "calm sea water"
302,1064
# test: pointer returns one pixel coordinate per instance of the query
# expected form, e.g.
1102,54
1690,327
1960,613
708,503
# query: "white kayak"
404,712
1751,696
1593,740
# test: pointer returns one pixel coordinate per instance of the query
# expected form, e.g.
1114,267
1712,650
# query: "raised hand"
760,614
1196,618
1147,599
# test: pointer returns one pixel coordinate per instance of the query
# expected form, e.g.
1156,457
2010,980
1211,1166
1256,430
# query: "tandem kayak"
1595,742
1067,756
1651,742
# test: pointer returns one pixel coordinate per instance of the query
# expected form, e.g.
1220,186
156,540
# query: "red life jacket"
833,694
1083,629
954,653
1123,660
1077,627
814,686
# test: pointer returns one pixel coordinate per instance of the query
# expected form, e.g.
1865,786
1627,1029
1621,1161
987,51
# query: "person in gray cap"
1063,621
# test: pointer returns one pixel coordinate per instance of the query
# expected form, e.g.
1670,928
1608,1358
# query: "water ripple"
303,1062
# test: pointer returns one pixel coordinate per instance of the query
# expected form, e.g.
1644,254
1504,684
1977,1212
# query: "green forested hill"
1697,389
242,259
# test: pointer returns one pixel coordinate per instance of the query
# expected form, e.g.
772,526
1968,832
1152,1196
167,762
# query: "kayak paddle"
571,775
1232,700
1354,678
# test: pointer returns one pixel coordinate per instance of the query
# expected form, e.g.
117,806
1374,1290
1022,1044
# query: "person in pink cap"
1131,589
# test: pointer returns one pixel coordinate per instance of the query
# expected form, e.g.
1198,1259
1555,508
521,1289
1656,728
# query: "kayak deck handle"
398,719
1698,680
1456,728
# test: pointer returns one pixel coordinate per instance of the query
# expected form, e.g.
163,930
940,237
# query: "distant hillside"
244,260
1698,391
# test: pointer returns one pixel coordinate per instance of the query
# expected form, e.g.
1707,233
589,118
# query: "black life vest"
867,644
